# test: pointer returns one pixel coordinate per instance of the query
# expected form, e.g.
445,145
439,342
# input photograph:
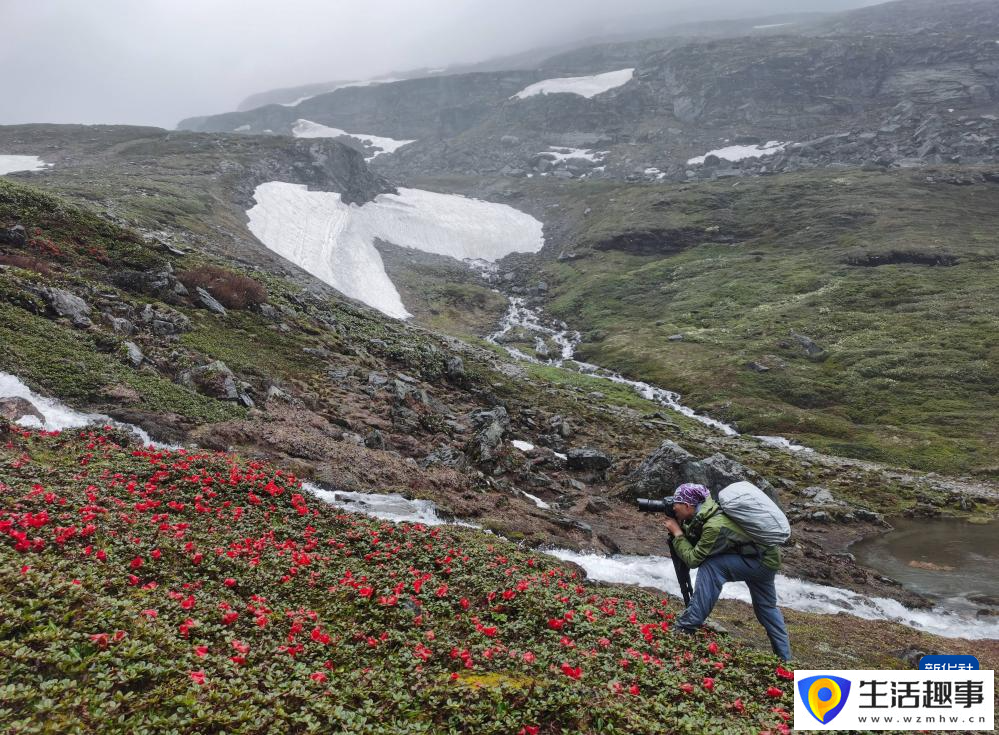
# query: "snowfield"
583,86
335,242
562,154
309,129
10,164
367,83
740,152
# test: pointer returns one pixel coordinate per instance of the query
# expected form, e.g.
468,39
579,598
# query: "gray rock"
122,325
587,458
573,524
135,355
14,409
377,379
675,338
455,369
598,505
16,236
163,320
447,457
718,471
276,394
757,367
206,300
69,305
810,346
509,140
215,379
659,473
374,440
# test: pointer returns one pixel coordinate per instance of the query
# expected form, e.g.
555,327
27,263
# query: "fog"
153,62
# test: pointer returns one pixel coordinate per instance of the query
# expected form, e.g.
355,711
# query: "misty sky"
154,62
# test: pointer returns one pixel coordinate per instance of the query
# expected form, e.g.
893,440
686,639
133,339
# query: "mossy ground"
909,370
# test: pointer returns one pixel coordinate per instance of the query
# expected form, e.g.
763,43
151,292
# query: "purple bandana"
691,494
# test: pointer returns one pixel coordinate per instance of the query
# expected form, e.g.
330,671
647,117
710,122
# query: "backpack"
755,513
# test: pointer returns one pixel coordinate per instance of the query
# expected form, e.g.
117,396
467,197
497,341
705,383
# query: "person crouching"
711,542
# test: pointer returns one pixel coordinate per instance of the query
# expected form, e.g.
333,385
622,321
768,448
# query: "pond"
948,559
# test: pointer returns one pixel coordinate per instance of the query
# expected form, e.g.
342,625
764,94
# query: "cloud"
156,61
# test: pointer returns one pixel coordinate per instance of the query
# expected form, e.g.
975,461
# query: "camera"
650,505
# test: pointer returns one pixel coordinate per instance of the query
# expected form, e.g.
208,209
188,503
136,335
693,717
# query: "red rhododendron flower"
712,647
708,683
229,582
529,657
774,692
687,688
151,614
738,706
529,730
135,563
572,672
318,676
201,651
556,623
101,639
188,602
785,674
633,690
198,677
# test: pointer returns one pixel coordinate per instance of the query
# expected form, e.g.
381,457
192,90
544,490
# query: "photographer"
708,540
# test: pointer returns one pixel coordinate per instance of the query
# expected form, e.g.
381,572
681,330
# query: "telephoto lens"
651,505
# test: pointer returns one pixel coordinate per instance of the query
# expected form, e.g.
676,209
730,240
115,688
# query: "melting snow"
583,86
309,129
779,441
336,242
10,164
367,83
536,500
57,416
522,445
561,154
741,152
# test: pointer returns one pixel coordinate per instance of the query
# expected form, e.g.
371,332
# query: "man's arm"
692,555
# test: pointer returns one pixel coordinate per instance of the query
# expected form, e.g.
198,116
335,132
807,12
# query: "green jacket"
711,532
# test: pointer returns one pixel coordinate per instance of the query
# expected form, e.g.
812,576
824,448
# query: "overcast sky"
154,62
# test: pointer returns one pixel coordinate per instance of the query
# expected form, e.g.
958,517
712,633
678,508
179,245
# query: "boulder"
659,473
455,369
587,458
206,300
65,304
719,471
14,409
445,456
135,355
16,236
811,348
216,380
374,440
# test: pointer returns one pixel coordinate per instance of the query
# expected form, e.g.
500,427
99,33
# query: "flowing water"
521,320
650,571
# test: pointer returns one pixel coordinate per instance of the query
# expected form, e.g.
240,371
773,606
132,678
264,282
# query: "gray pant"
714,572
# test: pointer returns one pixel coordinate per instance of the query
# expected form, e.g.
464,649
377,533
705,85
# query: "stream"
652,571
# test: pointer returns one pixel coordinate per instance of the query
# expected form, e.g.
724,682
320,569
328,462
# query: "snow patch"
522,445
772,25
309,129
336,242
57,416
536,500
241,129
560,154
10,164
587,87
779,441
741,152
366,83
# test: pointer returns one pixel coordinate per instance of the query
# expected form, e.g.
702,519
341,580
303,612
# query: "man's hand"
672,526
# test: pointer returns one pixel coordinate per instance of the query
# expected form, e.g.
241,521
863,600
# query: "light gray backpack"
755,513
